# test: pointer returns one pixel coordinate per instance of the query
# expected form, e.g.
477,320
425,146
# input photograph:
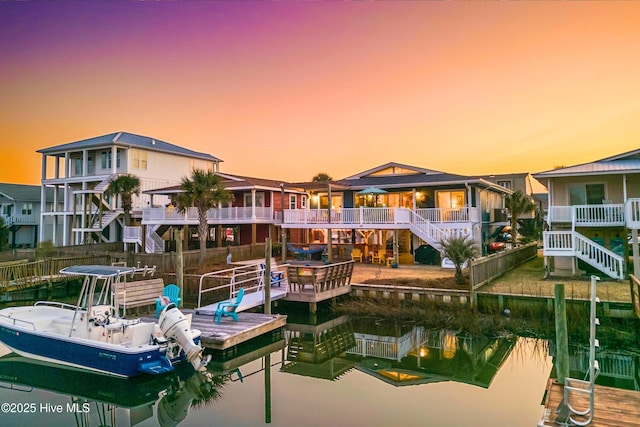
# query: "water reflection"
317,350
97,399
618,368
396,353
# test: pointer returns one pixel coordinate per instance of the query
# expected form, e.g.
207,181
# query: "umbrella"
372,190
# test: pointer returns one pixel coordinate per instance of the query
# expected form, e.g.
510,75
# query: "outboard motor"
175,326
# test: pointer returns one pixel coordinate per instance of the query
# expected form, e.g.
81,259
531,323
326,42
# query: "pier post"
267,275
267,389
180,264
562,337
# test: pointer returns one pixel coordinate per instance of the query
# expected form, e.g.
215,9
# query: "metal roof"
600,167
24,193
125,139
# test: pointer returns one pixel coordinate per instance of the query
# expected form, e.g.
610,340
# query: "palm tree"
321,177
204,191
125,186
458,249
517,204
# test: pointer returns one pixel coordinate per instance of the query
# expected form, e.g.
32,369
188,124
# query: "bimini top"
97,270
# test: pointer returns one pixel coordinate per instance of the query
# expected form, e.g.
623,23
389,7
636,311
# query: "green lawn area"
528,279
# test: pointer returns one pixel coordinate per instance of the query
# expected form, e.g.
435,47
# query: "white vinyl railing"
132,234
190,216
373,216
572,243
632,213
600,215
447,214
153,243
606,215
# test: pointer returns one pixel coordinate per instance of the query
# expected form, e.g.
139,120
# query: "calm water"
337,373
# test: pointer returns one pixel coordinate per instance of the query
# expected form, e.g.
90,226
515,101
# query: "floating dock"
229,333
612,406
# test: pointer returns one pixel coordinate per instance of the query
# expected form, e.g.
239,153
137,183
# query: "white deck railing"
190,216
606,215
132,234
373,216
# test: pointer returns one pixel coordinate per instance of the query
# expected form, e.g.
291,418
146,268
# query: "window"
27,208
292,201
451,199
505,184
139,159
259,200
303,202
77,167
586,194
105,157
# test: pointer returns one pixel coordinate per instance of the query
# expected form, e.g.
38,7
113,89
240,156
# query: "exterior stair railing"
153,243
572,243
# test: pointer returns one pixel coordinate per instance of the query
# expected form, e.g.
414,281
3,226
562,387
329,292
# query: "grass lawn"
528,279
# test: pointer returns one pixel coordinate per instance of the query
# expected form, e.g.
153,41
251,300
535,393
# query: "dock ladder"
586,386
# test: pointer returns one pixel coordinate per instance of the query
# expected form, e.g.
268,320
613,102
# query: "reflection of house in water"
618,368
419,356
315,350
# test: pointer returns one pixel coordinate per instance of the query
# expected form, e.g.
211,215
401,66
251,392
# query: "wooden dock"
613,406
229,333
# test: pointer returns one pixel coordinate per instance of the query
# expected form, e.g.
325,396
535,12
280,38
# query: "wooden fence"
485,269
19,275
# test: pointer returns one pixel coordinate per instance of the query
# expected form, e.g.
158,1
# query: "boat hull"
81,353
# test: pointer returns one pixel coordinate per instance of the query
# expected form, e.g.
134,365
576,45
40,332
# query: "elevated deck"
613,406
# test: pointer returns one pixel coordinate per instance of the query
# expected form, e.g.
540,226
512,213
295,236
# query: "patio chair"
356,255
228,308
170,294
379,256
277,277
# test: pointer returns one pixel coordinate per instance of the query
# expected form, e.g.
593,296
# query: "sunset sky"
286,90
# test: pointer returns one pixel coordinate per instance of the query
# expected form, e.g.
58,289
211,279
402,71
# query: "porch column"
253,207
415,203
85,162
329,234
114,159
624,188
254,238
43,195
636,255
395,247
283,239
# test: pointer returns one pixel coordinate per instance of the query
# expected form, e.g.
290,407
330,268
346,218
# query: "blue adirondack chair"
228,308
171,295
277,277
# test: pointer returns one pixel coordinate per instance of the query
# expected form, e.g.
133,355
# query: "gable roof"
395,169
408,176
24,193
235,183
127,140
